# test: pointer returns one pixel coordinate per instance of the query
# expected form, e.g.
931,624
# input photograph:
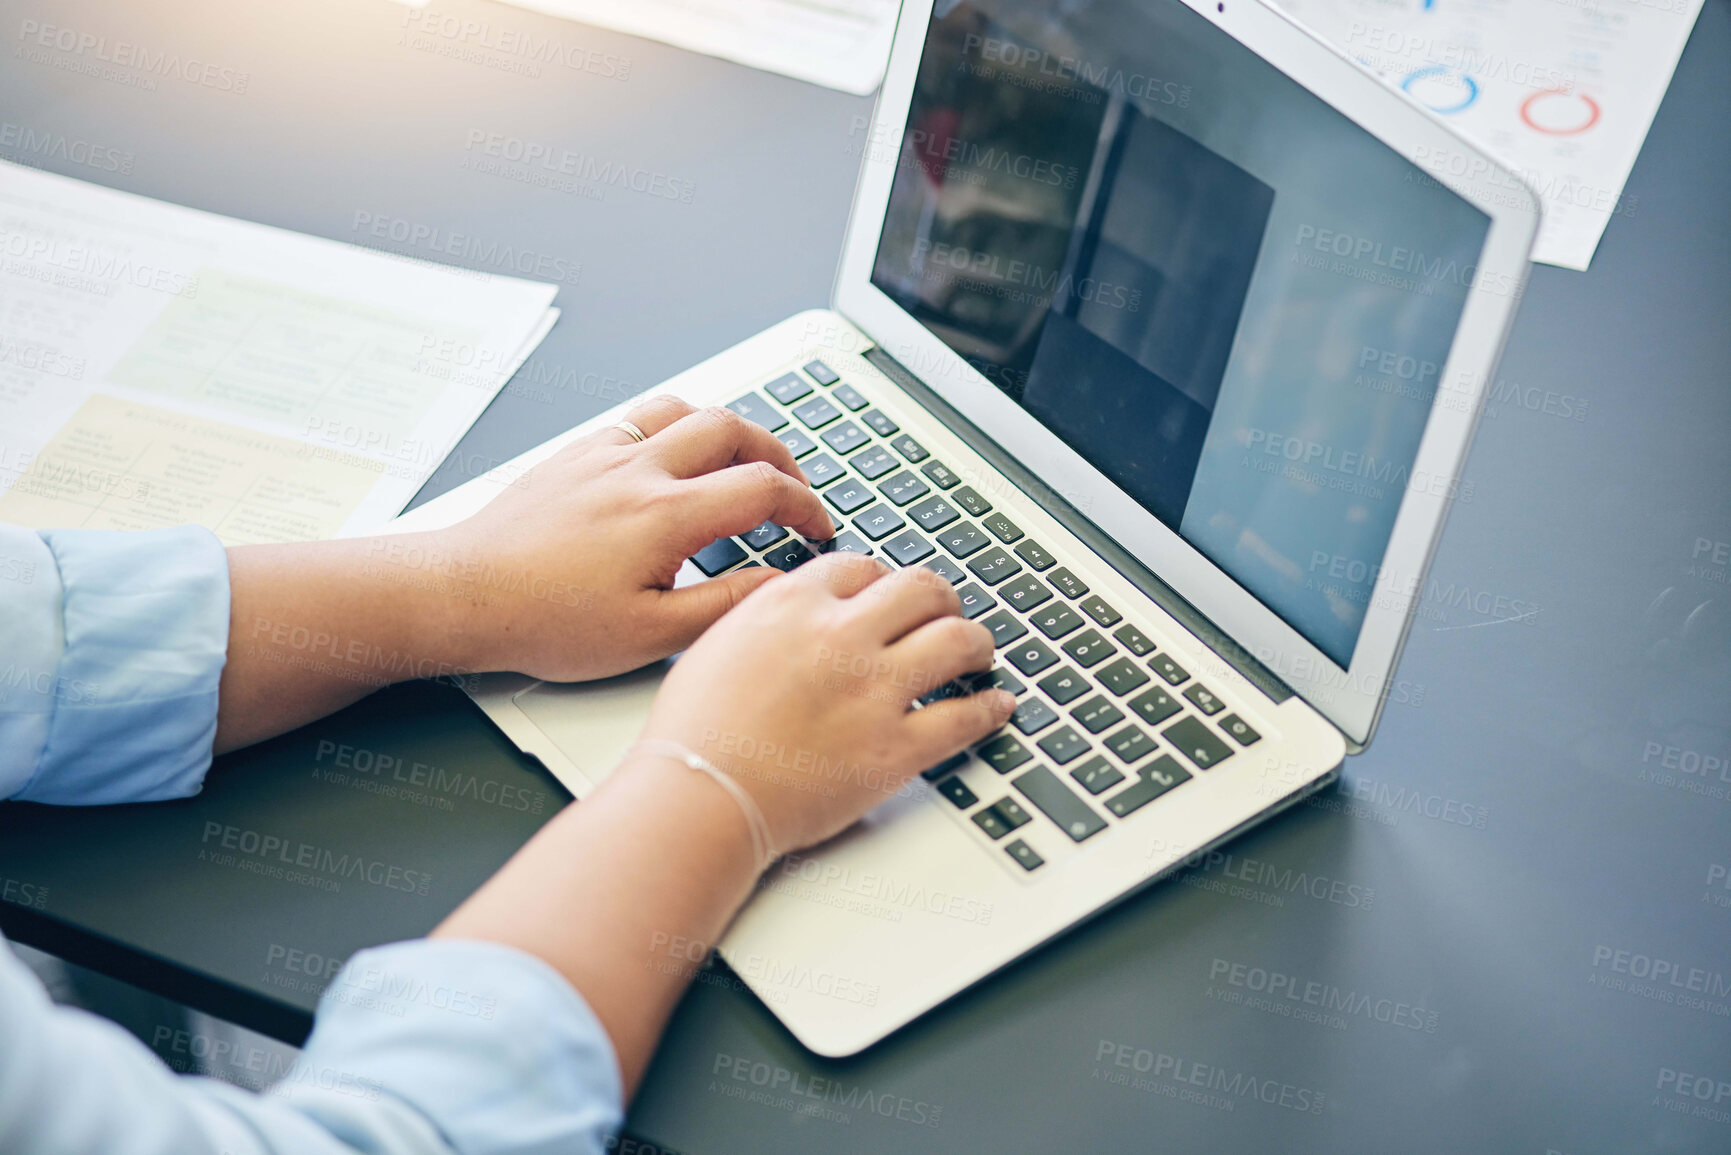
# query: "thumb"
692,609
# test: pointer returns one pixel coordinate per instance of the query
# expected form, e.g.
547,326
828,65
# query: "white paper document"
842,44
1562,91
163,366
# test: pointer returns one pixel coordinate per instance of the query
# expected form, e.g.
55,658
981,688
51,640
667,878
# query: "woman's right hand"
802,693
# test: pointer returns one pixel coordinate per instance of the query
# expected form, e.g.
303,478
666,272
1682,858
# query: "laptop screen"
1226,296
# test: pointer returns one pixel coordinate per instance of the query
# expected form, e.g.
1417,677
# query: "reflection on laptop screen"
1226,296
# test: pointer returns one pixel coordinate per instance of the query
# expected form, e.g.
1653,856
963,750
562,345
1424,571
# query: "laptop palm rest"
591,724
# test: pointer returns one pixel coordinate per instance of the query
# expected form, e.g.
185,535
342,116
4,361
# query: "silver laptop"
1161,331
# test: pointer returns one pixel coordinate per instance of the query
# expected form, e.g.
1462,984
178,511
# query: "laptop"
1161,331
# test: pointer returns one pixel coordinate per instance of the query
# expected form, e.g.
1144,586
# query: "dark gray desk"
1539,829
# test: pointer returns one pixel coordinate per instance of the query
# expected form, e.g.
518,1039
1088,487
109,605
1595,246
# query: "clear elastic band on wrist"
762,846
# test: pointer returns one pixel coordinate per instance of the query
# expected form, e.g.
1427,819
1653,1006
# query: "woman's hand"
572,570
802,693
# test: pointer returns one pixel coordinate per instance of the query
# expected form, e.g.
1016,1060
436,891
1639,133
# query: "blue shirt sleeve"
111,649
420,1048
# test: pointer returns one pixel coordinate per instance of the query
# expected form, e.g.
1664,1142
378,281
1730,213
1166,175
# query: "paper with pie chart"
1562,91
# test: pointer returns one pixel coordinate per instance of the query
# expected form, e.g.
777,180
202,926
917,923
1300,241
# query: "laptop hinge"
1073,519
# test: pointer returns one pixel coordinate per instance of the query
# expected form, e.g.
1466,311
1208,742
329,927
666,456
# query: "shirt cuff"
490,1043
144,618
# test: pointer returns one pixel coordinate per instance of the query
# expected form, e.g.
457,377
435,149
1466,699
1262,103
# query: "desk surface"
1505,927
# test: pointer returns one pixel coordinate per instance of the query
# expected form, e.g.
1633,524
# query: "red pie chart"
1557,112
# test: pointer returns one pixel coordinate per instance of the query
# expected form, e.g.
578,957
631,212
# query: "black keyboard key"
764,535
817,413
1174,674
821,470
754,408
790,554
989,821
1024,855
850,495
1059,803
994,565
847,541
1130,744
971,501
1134,640
1003,528
1005,629
1001,817
1003,753
881,425
1100,611
910,449
963,540
850,397
1064,686
946,569
957,792
1064,745
879,522
1055,621
788,388
1031,656
1089,648
1152,781
845,438
940,474
1035,555
904,487
975,601
1192,738
1097,713
1033,715
933,514
873,463
1068,583
996,678
1097,775
1025,593
721,554
1240,730
796,441
955,688
1121,676
822,373
909,548
1204,699
1155,706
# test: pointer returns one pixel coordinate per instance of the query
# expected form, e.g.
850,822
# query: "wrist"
692,812
437,582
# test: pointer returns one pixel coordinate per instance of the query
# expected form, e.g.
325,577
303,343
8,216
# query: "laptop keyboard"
1106,722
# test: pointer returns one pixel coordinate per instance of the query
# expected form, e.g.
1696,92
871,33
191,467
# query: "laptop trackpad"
592,723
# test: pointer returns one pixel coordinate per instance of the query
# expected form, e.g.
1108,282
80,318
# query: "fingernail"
1006,701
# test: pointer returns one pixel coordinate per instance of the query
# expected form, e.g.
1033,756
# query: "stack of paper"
162,366
842,44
